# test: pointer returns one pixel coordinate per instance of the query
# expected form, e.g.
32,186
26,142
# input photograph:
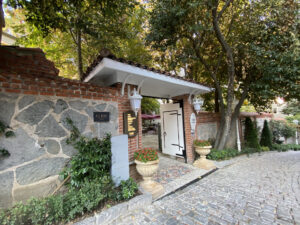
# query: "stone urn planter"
147,170
203,151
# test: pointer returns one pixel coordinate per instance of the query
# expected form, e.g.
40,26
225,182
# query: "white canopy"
152,84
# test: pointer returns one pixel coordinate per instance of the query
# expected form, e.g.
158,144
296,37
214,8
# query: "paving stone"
255,190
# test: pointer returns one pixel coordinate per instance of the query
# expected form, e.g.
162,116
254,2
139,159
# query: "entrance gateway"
108,70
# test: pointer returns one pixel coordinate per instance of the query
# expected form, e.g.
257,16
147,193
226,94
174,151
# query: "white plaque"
193,122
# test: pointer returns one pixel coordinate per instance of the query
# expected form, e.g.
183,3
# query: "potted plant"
147,160
202,147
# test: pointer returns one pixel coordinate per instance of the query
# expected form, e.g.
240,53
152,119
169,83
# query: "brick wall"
27,71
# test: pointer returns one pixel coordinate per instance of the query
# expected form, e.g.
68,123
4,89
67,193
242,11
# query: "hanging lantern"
198,103
135,101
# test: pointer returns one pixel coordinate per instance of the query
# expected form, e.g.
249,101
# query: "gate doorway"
172,134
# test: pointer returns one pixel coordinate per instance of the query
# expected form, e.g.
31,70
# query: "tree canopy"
246,49
87,25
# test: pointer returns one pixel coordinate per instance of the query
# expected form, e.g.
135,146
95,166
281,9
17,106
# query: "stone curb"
113,213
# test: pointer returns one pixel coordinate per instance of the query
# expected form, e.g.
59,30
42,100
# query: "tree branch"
229,55
223,9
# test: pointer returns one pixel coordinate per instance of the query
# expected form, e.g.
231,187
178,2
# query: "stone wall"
39,150
34,102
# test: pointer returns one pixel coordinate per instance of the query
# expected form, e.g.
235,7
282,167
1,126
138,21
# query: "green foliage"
284,148
2,128
251,139
223,154
120,30
266,138
60,208
88,197
292,108
9,133
201,143
93,158
248,150
265,148
146,155
127,190
281,129
4,153
150,105
211,40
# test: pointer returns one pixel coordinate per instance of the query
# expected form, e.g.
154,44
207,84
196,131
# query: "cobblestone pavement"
257,190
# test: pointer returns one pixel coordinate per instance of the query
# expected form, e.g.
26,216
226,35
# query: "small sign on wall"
101,116
130,123
193,122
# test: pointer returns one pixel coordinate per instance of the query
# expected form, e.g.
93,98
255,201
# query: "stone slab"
77,104
26,100
40,189
79,120
60,106
120,161
68,149
52,146
22,148
50,128
39,170
6,112
35,113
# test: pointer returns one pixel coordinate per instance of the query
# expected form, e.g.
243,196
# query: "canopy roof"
107,70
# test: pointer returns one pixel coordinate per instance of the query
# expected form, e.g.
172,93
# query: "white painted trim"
123,67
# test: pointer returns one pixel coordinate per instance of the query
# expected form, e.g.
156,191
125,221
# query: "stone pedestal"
202,162
147,170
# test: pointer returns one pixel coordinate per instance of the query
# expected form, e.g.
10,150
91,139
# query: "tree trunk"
217,106
223,132
79,54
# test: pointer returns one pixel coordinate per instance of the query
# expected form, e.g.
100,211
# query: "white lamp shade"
198,102
135,101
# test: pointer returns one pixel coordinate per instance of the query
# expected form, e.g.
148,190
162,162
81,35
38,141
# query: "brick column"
134,143
188,110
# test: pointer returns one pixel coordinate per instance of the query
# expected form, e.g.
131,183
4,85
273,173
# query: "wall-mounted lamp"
135,101
198,103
